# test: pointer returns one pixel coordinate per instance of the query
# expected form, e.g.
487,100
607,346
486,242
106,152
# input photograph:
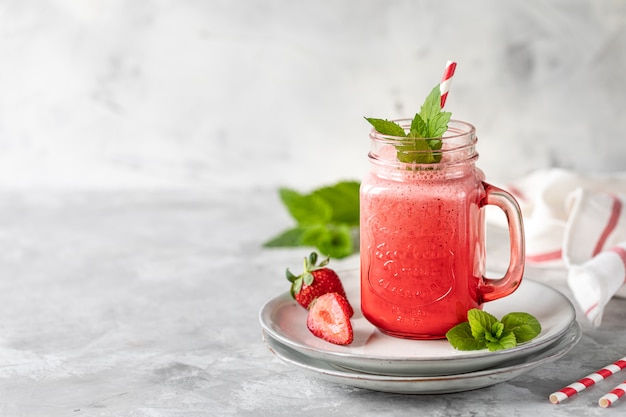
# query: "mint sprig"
326,218
484,331
422,140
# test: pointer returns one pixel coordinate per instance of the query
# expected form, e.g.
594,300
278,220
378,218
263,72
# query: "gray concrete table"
145,303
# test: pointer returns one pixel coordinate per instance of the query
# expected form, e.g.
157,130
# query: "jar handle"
493,289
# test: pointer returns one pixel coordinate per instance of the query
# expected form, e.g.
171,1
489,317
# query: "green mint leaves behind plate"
484,331
326,218
423,138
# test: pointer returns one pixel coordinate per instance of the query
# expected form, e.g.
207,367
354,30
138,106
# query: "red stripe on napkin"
545,257
516,192
621,252
616,209
590,309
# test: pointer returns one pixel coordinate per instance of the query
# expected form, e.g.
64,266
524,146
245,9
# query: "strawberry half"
315,281
329,319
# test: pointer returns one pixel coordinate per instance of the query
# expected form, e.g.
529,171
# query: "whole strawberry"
315,280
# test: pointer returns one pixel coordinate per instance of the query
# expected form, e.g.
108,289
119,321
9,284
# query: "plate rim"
514,368
339,357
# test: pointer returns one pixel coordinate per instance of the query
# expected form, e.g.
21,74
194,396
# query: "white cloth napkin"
577,222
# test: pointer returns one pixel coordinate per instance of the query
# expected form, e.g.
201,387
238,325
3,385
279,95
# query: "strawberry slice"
329,319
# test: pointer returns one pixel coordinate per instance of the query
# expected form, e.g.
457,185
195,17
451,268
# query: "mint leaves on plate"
422,141
484,331
326,218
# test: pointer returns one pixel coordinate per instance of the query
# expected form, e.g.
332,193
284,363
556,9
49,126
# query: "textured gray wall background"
235,93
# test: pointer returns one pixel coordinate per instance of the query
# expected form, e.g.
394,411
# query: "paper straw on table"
589,380
446,81
613,396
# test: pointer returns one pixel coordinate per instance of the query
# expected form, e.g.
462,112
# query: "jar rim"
457,146
456,129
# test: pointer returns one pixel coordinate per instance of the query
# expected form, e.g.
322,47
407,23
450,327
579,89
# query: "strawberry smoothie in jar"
423,234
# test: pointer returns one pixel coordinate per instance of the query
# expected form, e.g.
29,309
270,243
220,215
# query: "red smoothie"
421,249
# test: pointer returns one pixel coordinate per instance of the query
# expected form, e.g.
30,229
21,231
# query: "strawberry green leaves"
484,331
310,264
422,140
326,218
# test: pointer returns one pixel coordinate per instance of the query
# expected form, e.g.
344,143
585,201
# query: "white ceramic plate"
425,384
374,352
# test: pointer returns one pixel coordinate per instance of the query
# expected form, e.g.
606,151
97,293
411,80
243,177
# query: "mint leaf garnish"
495,333
426,127
415,151
332,240
484,331
327,218
386,127
460,337
524,325
306,209
419,128
481,323
506,341
432,104
343,199
438,124
287,238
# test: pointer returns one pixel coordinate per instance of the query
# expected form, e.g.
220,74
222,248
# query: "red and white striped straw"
446,81
589,380
613,396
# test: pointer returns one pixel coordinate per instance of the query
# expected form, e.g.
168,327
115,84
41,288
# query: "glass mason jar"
423,234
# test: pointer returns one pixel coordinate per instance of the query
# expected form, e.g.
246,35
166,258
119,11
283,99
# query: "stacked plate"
383,363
